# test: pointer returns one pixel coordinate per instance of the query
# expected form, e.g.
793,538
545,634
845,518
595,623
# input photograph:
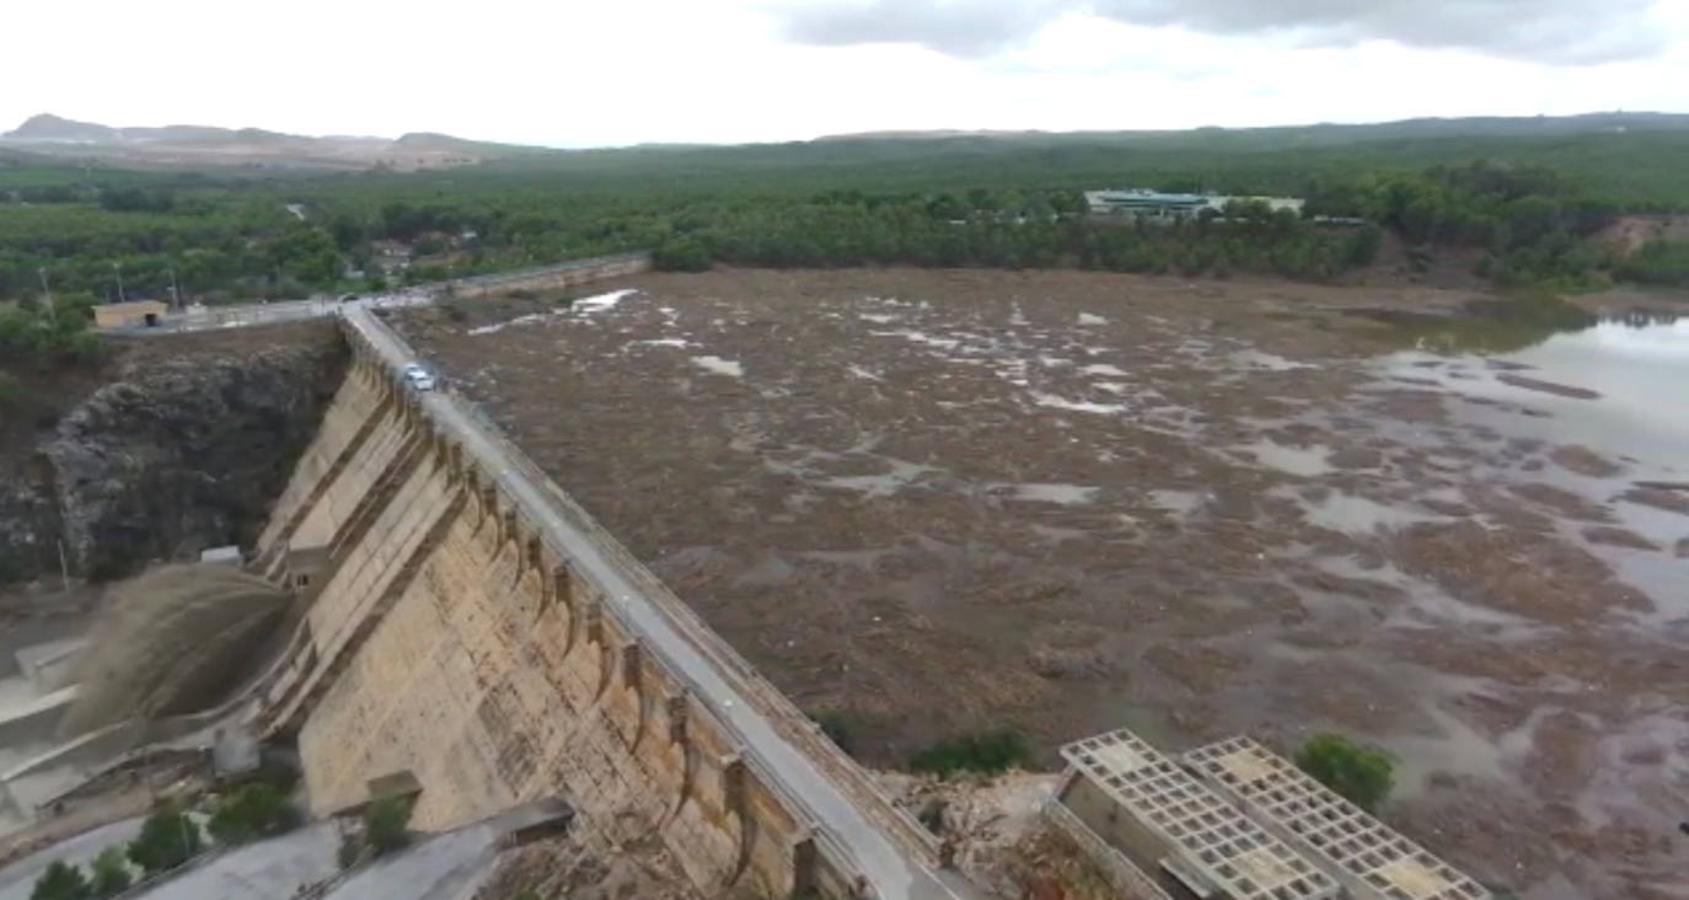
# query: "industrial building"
1155,206
1235,822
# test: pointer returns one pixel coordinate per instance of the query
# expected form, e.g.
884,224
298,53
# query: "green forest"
1523,202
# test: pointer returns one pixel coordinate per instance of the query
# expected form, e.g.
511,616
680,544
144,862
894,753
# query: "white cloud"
584,74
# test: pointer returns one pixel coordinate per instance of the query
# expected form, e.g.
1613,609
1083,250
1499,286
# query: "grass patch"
986,753
1362,774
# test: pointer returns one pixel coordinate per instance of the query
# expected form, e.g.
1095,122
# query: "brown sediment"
937,501
1549,387
1584,461
1618,537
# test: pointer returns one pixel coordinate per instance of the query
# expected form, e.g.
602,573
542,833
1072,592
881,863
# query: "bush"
61,882
1361,774
988,753
168,838
252,812
111,873
11,393
836,728
683,255
384,824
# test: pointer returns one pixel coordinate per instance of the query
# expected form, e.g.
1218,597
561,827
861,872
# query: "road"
204,318
248,314
891,871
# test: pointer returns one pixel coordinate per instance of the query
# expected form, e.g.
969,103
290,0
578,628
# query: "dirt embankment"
178,444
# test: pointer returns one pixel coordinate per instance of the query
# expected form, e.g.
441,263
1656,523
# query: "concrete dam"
471,631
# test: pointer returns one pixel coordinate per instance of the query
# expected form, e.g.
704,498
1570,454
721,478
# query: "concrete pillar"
806,859
733,783
563,587
454,461
531,553
674,709
592,616
632,658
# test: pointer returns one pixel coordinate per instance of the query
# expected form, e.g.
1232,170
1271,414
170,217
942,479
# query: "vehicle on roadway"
419,378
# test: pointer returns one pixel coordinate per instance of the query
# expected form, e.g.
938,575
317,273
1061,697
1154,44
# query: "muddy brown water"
1069,501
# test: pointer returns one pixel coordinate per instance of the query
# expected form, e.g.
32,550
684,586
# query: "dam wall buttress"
451,638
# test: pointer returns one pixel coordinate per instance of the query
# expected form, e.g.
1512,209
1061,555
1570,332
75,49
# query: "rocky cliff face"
178,453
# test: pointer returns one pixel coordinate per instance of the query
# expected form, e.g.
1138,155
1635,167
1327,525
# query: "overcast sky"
573,73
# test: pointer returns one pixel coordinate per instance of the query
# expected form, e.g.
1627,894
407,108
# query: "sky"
569,73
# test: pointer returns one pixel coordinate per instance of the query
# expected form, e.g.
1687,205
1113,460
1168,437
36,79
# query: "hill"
203,146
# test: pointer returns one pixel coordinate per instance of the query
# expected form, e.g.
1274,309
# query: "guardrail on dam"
474,627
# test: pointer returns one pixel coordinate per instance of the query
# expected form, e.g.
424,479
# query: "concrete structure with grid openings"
1174,826
1370,859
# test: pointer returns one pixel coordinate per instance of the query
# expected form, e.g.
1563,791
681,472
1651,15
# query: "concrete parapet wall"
556,277
452,639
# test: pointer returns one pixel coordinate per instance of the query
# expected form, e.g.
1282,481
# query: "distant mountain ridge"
51,137
179,145
1422,127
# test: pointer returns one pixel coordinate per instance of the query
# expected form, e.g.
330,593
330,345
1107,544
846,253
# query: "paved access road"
247,314
891,870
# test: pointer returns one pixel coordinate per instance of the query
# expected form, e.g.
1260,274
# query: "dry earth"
940,501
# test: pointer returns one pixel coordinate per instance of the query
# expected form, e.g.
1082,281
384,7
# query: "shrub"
11,393
987,753
168,838
682,255
251,812
931,815
1361,774
61,882
350,851
384,824
836,727
111,873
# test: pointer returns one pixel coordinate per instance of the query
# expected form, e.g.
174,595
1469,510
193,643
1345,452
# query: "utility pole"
175,291
118,268
47,294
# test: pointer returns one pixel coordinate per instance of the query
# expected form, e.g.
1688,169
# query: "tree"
61,882
1361,774
251,812
111,873
168,838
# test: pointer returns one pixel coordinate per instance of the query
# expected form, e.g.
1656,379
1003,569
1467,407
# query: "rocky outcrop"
176,455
